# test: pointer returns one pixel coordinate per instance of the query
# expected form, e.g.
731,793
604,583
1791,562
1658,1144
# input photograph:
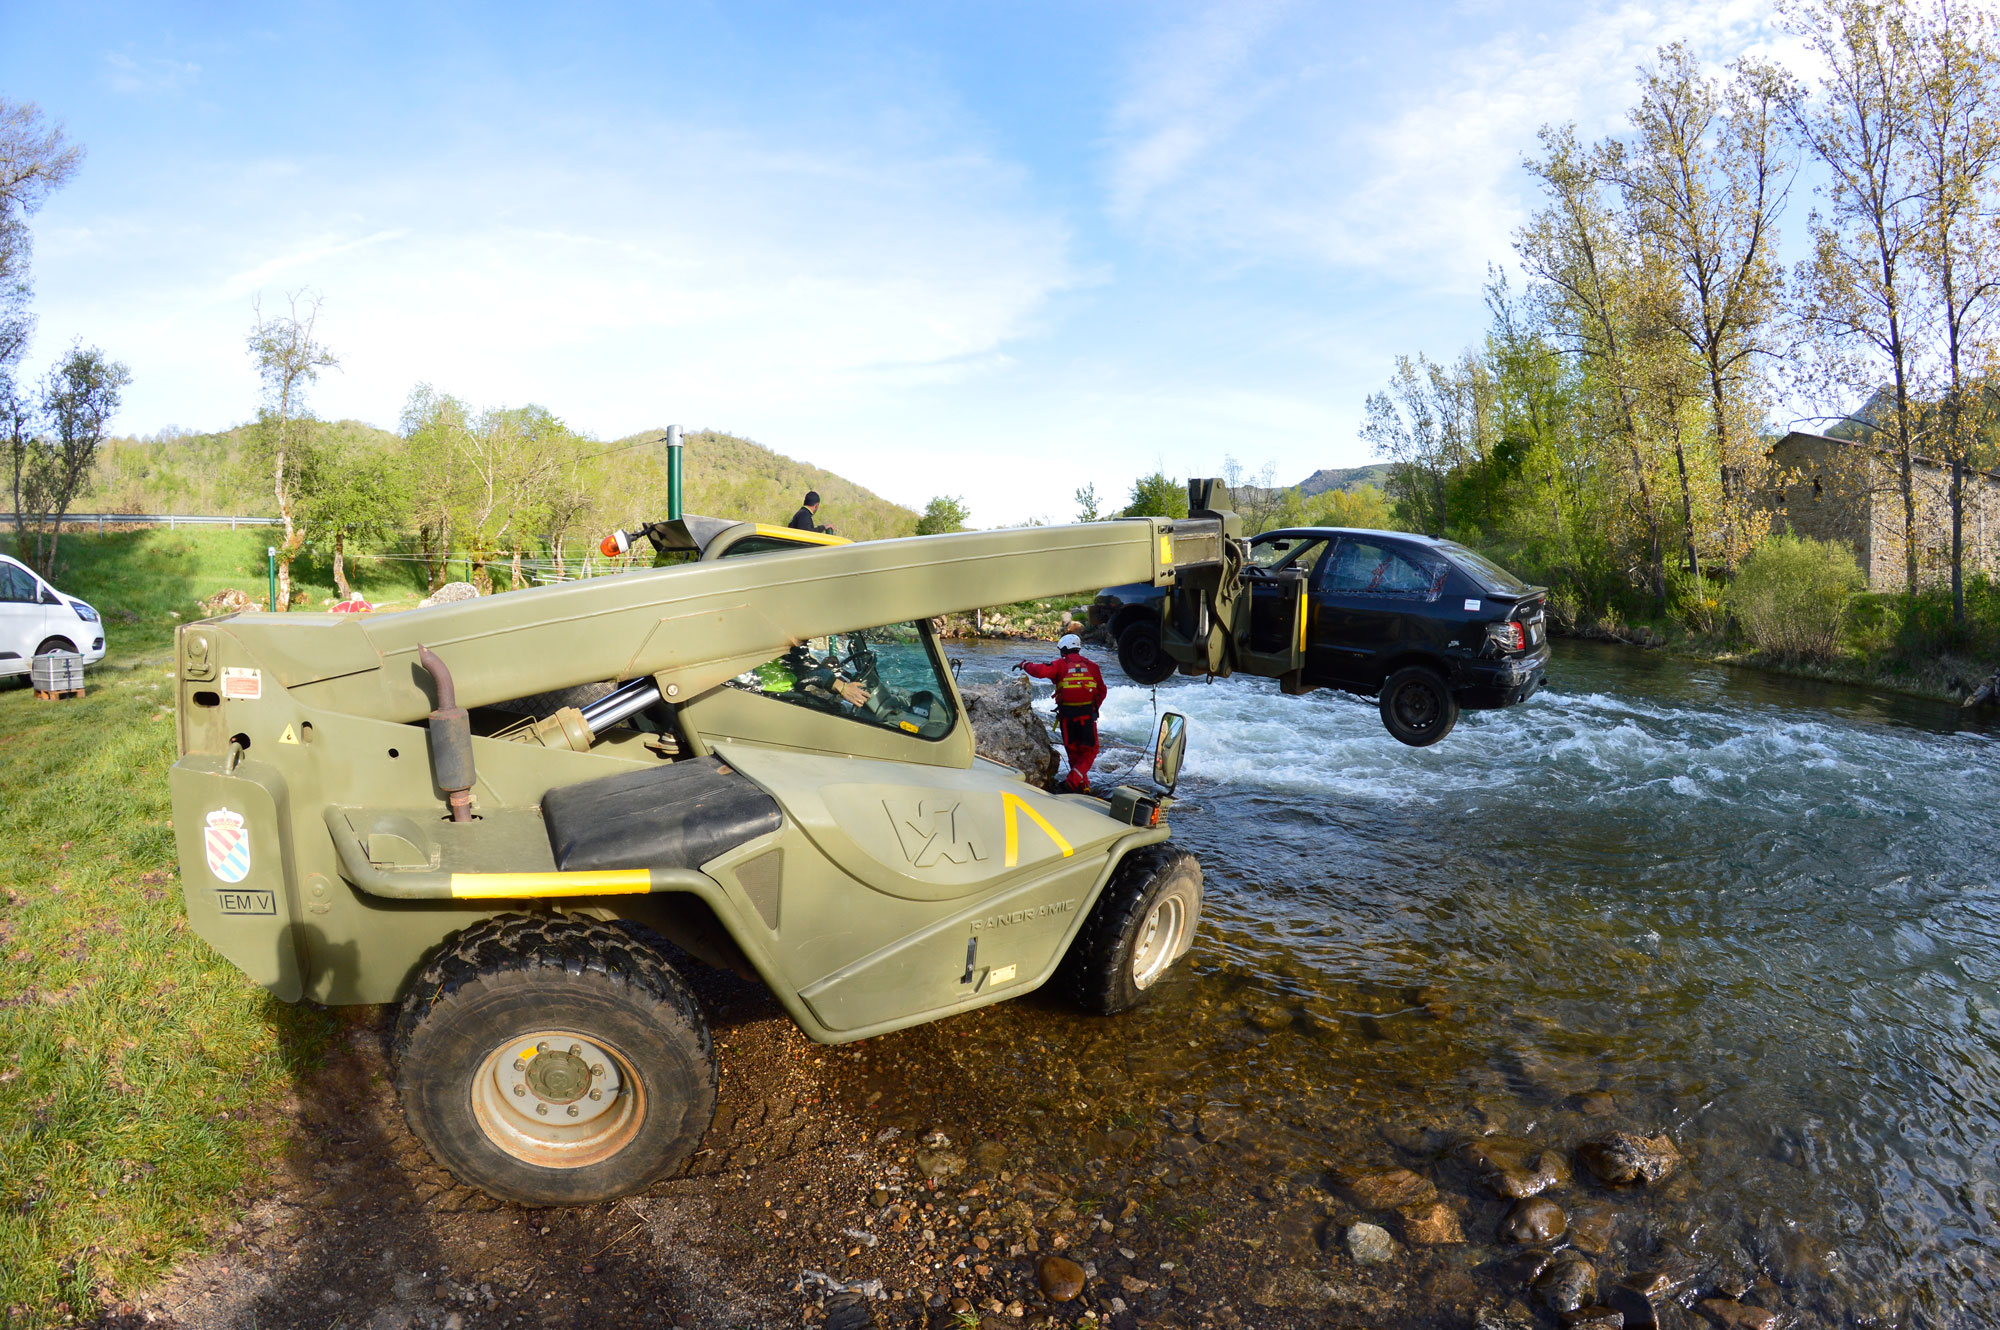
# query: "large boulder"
228,601
1623,1158
449,593
1006,729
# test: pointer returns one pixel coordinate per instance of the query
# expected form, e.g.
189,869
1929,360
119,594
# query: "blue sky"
1000,251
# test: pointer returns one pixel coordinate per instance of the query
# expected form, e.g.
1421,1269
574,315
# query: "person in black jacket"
802,520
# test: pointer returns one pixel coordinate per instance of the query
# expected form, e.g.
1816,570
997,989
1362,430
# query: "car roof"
1347,531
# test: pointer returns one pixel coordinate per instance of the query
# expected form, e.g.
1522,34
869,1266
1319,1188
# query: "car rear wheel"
554,1061
1142,923
1142,655
1417,706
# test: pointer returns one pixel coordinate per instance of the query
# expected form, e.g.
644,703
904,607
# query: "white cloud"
132,76
693,275
1303,139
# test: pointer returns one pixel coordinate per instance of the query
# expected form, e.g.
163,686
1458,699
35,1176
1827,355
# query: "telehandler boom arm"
696,625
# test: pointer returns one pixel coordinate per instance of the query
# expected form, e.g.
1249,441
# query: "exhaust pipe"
451,739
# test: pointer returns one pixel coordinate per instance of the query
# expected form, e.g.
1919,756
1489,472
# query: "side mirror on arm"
1169,748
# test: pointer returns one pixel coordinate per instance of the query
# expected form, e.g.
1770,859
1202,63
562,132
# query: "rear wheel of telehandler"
554,1060
1142,923
1142,655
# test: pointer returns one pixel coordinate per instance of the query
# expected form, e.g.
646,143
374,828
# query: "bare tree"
35,160
1705,181
1257,499
1857,286
288,362
1955,150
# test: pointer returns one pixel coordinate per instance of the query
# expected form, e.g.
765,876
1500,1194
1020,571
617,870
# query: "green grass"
140,1073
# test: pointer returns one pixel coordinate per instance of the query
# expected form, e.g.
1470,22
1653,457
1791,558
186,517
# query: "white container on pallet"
56,673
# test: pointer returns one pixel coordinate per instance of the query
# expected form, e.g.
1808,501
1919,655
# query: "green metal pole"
673,473
271,572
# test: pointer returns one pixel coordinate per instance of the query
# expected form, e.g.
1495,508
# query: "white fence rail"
168,520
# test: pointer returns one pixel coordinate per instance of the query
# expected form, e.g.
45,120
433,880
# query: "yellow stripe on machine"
1010,805
501,886
802,537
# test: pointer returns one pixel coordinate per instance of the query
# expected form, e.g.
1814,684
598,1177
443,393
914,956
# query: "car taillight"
1509,636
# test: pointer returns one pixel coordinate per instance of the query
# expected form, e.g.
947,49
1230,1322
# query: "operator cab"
708,538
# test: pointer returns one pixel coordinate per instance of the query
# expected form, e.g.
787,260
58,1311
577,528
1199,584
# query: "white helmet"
1069,642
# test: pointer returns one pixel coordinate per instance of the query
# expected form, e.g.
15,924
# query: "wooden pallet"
57,694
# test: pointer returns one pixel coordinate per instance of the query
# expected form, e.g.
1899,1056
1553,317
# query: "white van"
38,620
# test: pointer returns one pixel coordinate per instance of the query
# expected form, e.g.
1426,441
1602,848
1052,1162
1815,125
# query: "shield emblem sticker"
228,845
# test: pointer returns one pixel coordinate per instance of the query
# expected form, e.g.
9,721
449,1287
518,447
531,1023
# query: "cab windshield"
884,676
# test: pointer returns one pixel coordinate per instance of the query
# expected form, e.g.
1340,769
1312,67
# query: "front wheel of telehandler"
554,1060
1142,923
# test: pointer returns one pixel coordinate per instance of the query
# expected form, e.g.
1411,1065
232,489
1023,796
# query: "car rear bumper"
1486,685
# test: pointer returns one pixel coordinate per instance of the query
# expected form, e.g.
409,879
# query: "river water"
1758,914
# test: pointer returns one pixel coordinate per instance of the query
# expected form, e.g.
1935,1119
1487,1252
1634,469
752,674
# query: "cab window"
1287,552
17,586
887,677
1379,568
764,545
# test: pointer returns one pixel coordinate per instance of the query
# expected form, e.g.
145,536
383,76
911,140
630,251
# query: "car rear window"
1384,568
1486,572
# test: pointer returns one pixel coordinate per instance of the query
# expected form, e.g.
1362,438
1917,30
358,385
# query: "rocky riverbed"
1661,994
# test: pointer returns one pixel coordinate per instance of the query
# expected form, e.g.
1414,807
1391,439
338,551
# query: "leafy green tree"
1957,133
942,514
1086,504
508,464
435,427
1860,303
360,495
1704,180
53,465
288,362
1157,495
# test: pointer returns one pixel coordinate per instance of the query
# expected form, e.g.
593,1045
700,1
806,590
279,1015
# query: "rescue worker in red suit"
1080,692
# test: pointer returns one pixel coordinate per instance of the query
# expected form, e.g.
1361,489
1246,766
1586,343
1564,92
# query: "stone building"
1833,489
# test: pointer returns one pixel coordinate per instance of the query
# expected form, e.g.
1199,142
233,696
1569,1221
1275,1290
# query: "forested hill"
725,476
1345,479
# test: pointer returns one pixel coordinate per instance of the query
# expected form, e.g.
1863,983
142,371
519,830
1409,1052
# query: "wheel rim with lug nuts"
1159,940
557,1099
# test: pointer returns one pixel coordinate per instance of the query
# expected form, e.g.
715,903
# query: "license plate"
1535,631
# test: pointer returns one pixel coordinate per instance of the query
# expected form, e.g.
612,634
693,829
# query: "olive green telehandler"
770,768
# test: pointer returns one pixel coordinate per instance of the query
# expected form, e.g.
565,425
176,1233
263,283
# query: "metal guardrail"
168,520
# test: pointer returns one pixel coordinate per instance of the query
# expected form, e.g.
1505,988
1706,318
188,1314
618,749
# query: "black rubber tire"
513,973
57,645
1417,706
1142,655
1097,973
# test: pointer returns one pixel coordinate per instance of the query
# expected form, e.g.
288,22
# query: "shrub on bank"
1927,629
1791,595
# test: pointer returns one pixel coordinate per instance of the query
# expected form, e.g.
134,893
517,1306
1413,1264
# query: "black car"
1427,625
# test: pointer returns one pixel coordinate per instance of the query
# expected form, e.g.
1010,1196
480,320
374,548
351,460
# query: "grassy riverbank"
140,1074
1890,641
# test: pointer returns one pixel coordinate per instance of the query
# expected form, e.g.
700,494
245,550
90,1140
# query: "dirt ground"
787,1205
